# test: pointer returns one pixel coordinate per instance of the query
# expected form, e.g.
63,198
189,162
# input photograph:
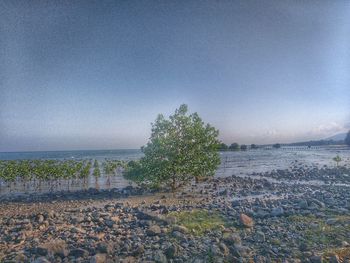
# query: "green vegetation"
223,147
181,148
337,159
34,173
234,147
97,171
276,146
198,222
318,231
244,147
340,252
254,146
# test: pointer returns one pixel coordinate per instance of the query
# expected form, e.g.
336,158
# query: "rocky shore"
301,214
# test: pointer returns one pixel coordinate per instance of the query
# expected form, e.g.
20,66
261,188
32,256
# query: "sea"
241,163
118,154
259,160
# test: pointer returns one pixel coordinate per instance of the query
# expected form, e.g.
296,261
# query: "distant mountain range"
333,140
337,137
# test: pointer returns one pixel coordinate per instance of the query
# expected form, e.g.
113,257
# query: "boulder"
277,211
154,230
246,221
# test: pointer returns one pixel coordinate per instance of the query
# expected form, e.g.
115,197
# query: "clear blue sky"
93,75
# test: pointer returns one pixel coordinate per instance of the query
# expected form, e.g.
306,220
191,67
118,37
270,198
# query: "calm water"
262,160
130,154
241,163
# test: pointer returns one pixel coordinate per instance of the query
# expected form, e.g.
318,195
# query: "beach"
300,213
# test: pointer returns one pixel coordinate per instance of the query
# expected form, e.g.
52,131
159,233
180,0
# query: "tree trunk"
173,184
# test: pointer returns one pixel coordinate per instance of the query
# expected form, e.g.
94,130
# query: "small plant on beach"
180,149
96,173
337,159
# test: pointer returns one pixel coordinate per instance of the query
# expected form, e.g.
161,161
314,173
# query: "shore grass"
317,231
201,221
340,252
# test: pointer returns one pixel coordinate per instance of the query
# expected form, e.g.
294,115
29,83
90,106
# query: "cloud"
329,129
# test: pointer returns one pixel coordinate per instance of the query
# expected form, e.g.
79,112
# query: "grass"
342,253
322,233
199,222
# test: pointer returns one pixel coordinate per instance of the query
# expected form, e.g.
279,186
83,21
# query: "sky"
95,74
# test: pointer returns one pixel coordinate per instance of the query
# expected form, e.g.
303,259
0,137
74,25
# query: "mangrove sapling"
337,159
10,174
84,173
96,173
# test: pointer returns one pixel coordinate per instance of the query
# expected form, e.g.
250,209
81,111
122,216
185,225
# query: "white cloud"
329,129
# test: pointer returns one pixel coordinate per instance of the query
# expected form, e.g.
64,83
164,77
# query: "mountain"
337,137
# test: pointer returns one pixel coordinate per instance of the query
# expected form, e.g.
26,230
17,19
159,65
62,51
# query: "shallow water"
241,164
258,161
120,154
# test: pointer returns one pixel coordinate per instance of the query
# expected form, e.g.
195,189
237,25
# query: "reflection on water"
102,182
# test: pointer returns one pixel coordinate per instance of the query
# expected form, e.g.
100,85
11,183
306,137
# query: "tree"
223,147
234,146
253,146
244,147
276,145
337,159
347,138
180,148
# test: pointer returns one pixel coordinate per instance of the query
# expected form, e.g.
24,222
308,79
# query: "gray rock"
78,253
105,248
260,236
139,250
41,260
109,223
334,259
42,251
40,218
277,211
233,239
224,249
170,251
159,257
98,258
316,259
180,229
303,204
331,221
153,230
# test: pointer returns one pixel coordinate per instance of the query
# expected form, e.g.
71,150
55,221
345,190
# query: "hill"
337,137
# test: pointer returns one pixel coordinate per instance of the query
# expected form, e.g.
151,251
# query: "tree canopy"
180,148
276,145
223,147
244,147
234,146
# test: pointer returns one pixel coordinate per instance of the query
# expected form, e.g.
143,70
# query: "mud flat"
300,214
